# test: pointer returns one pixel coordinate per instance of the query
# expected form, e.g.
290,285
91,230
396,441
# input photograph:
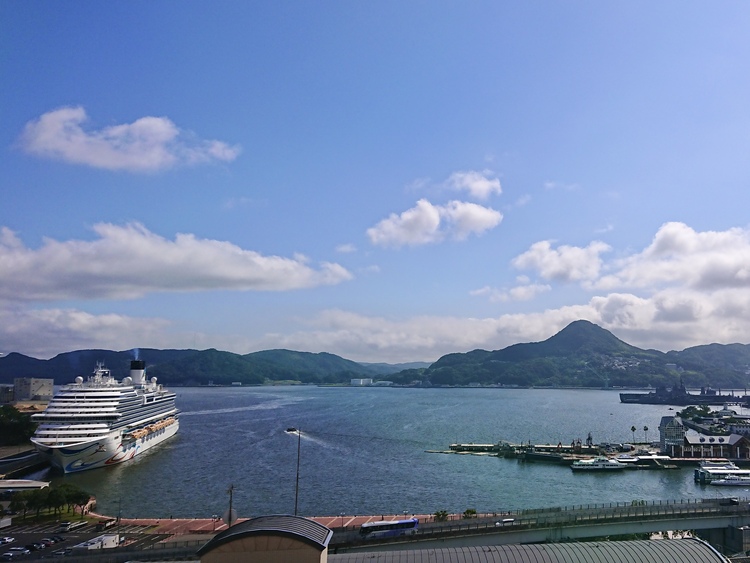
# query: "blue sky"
386,181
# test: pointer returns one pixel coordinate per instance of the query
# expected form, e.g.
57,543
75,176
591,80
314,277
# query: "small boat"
597,464
732,481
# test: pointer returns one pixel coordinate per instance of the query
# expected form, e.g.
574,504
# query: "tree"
645,431
56,499
36,499
441,516
80,498
18,503
632,429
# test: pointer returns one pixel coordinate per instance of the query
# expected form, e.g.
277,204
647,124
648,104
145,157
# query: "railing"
556,517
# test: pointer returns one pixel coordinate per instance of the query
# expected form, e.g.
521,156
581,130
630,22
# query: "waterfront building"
671,434
360,382
32,389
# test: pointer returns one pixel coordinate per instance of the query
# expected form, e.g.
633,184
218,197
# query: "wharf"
16,461
568,454
527,451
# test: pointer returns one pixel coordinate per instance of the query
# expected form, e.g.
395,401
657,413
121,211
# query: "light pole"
229,518
296,486
342,519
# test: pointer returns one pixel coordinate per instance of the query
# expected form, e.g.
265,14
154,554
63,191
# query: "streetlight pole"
229,518
296,486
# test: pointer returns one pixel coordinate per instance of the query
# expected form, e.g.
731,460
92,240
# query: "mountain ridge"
581,354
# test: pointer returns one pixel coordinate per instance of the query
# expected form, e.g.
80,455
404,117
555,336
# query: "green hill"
191,367
584,354
581,355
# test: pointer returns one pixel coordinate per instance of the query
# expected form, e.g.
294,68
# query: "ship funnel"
138,371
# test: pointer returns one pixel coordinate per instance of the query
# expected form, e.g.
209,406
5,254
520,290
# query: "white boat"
732,481
102,422
597,464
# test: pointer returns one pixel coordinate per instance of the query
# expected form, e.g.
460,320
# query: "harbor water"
365,451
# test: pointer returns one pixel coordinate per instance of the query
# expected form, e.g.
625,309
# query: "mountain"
388,369
191,367
584,354
581,354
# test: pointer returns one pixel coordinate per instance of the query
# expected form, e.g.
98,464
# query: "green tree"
80,498
632,429
18,504
15,427
441,516
56,499
36,500
470,513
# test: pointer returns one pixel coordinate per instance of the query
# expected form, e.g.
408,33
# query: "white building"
32,389
360,382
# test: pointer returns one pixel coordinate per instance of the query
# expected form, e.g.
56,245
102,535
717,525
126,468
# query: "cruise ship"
101,422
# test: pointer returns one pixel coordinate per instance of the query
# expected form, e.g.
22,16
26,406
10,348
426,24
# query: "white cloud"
427,223
564,263
127,262
523,291
678,314
479,184
680,255
551,185
149,144
43,333
346,248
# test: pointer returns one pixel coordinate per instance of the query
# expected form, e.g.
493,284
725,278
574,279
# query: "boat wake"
271,405
304,436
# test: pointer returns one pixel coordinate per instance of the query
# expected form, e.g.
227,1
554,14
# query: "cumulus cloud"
127,262
42,333
680,255
346,248
677,312
427,223
480,185
524,290
564,263
149,144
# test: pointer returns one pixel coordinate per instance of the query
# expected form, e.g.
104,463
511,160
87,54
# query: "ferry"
101,422
732,481
710,471
597,464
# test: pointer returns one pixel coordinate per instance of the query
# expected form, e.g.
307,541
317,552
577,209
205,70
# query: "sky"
386,181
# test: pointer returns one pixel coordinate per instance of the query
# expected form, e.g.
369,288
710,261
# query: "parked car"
6,540
22,550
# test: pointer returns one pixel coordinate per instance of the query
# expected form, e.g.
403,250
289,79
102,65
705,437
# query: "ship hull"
105,451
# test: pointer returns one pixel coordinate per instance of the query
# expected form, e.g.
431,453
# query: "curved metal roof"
640,551
302,529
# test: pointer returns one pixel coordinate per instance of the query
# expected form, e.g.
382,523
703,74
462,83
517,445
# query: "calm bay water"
363,451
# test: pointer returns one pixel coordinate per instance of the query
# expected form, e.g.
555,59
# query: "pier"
566,455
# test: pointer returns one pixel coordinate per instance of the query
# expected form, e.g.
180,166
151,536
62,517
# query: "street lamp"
342,519
405,513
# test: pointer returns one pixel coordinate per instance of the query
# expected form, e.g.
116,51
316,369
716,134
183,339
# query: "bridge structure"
723,522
